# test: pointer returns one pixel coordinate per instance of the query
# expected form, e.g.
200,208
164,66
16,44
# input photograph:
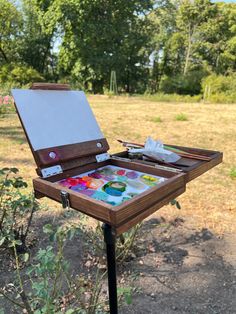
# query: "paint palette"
111,184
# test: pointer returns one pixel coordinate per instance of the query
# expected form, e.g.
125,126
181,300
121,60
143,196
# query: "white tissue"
155,150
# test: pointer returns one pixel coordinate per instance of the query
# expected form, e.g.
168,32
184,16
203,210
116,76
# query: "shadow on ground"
14,133
183,271
17,161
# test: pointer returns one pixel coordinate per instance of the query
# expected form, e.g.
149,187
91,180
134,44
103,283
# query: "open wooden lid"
59,124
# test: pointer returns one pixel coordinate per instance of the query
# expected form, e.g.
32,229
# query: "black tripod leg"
110,240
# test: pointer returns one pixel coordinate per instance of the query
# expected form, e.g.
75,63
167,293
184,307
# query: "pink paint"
121,172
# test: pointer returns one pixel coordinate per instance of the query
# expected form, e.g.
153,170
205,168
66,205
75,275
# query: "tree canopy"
168,45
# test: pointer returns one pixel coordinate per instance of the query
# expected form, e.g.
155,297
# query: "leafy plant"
233,173
181,117
156,119
124,245
126,293
6,104
51,288
45,276
175,203
127,242
16,209
173,98
49,269
17,75
219,88
189,84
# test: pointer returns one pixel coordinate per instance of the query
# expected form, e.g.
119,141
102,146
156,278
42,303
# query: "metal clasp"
65,199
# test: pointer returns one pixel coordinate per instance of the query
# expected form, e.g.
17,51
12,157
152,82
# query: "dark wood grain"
71,151
50,86
89,206
192,167
132,221
147,199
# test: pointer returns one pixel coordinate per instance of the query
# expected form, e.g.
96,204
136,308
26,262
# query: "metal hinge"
121,158
102,157
51,171
65,199
168,168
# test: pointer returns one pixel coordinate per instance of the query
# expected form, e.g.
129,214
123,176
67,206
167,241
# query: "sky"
227,1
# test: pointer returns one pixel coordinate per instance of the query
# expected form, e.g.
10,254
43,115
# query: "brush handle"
179,152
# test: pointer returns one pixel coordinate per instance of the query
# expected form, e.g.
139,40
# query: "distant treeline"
169,46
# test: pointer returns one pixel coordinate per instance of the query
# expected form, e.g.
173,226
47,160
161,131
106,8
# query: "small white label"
102,157
51,171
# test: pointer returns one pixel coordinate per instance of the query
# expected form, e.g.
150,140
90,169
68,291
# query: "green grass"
156,119
174,98
232,173
181,117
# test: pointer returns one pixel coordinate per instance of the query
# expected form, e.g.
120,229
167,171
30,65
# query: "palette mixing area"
111,184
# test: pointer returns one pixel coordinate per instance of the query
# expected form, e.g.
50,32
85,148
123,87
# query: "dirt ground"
173,268
184,271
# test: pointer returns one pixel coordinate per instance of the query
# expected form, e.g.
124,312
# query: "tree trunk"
189,48
3,54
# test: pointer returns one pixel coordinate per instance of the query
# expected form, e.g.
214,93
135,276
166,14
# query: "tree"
10,27
168,43
101,36
218,45
39,34
191,15
180,43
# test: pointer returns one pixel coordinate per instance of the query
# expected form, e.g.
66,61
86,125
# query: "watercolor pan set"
111,184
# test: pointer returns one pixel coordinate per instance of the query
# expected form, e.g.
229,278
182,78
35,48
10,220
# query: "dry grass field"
209,202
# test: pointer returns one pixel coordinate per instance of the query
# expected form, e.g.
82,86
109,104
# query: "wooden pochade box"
66,141
75,169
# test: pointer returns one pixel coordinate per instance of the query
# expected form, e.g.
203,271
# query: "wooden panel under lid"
59,125
192,167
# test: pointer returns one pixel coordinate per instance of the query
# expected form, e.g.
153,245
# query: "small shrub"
16,209
221,98
189,84
181,117
161,97
156,119
232,173
219,88
220,83
51,288
6,104
17,75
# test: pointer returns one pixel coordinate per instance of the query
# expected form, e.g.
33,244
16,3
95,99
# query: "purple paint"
87,192
132,175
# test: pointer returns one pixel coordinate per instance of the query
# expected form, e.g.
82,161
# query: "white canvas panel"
56,118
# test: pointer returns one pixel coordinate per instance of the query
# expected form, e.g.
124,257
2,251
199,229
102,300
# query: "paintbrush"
161,162
180,152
